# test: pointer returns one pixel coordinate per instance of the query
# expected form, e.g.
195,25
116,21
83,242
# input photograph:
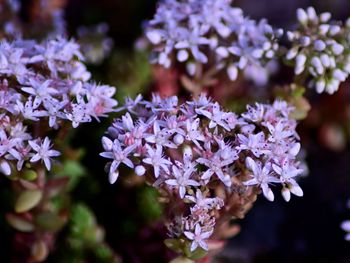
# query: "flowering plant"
205,161
204,155
44,90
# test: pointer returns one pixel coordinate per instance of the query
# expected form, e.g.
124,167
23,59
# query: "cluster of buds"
43,85
199,156
211,34
320,49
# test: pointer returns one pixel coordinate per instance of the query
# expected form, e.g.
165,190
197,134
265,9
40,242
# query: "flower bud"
290,36
300,64
113,177
316,62
324,17
107,144
285,194
323,29
232,72
311,13
178,139
302,16
140,170
221,51
320,86
334,29
191,69
337,48
295,149
154,37
182,55
292,53
5,167
325,60
339,75
305,41
319,45
296,190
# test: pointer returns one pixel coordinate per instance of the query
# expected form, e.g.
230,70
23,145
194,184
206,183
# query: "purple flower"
198,238
217,163
43,152
39,90
193,134
155,158
261,177
182,180
160,137
254,143
202,202
216,116
113,150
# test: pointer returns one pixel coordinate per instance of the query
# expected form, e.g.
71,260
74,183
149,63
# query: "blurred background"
303,230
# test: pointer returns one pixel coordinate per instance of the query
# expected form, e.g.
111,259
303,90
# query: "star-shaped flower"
198,238
43,152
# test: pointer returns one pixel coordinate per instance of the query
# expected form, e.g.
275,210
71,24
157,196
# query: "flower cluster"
43,86
209,32
320,48
188,150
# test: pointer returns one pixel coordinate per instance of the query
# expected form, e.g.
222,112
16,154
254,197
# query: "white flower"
155,158
160,137
43,152
261,177
202,202
198,238
209,29
215,115
193,134
207,139
286,170
39,90
182,180
254,143
217,163
119,155
80,113
29,110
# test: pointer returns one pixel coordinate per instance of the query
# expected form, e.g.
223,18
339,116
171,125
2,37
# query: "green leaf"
19,223
104,254
49,221
40,251
56,186
297,91
74,170
199,253
28,200
181,260
30,175
148,205
174,244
